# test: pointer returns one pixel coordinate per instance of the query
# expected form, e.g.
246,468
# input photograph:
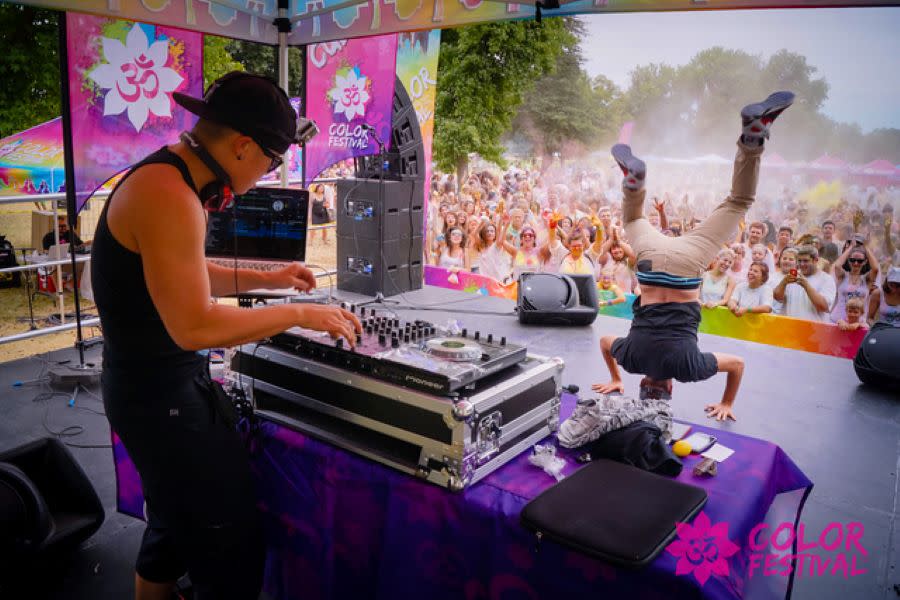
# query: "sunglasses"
857,261
277,159
527,235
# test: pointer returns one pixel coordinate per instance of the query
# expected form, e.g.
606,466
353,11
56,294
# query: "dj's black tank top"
135,341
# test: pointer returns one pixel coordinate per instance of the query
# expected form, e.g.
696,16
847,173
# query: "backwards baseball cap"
254,106
893,275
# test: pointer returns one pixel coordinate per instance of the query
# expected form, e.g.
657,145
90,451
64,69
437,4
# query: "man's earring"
239,157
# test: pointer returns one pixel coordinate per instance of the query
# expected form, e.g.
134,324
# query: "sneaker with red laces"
632,167
756,118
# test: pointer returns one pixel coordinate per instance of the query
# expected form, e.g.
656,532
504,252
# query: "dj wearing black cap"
153,290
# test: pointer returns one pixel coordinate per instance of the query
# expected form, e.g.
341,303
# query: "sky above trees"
857,50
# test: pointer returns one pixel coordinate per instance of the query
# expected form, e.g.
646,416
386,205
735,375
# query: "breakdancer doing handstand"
662,342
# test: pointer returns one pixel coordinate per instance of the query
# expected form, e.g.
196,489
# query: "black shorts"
195,471
662,344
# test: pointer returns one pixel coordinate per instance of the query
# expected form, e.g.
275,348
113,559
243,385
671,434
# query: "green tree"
262,60
565,111
29,67
484,72
217,60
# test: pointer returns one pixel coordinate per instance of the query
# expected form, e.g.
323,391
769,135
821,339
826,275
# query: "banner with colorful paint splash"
31,162
122,77
349,85
785,332
417,68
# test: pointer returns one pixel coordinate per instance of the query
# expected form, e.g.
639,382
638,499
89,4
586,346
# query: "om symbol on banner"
137,77
350,93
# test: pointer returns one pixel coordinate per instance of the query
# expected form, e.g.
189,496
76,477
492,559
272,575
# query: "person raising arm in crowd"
855,272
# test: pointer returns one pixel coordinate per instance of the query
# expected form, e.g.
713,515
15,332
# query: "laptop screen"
267,223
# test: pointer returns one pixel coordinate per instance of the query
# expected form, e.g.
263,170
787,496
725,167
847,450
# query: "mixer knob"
490,338
362,311
381,339
339,342
358,338
465,332
395,342
406,339
503,341
477,335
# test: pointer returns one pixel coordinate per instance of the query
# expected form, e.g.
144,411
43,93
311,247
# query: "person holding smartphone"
807,293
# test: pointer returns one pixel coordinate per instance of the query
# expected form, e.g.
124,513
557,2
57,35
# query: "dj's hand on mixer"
339,323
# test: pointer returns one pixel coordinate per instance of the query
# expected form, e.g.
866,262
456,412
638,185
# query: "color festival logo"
704,549
136,75
349,97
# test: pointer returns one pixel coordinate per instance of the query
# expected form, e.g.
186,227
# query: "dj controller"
415,354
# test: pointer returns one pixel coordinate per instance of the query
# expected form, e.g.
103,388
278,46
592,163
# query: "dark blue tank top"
135,341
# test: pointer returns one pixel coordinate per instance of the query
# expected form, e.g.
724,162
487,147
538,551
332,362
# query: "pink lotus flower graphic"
702,548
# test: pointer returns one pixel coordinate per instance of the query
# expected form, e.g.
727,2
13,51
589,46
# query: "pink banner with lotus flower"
349,87
122,75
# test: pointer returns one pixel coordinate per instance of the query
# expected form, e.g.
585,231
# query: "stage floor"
844,436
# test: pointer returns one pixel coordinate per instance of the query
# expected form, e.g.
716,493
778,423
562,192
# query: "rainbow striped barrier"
785,332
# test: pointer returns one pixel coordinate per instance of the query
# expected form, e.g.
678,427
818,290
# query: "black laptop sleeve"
613,512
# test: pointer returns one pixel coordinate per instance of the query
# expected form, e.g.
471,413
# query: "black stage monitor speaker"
551,299
877,361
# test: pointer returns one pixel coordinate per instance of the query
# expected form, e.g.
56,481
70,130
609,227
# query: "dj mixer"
415,354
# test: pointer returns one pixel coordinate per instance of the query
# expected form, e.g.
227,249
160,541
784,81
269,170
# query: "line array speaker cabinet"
379,242
380,222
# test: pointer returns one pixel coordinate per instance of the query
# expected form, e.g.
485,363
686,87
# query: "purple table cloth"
339,526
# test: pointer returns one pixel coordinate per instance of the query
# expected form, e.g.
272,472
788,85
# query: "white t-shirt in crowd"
797,303
747,297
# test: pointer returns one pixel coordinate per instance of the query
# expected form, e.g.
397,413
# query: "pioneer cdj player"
414,354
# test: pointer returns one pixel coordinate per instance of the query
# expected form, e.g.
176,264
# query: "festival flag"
349,84
417,68
122,76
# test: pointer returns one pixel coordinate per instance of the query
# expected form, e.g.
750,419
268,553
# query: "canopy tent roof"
31,162
828,162
879,167
317,21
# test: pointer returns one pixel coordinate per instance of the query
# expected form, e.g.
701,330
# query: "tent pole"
303,98
284,28
69,161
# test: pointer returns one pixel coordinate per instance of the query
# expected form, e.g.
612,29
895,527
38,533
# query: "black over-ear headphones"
216,196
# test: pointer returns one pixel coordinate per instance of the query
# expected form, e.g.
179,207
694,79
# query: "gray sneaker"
634,169
756,118
582,427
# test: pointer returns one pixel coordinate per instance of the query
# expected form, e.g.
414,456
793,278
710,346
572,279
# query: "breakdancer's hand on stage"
339,323
720,412
294,275
609,388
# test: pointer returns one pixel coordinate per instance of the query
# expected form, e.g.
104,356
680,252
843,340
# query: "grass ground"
15,224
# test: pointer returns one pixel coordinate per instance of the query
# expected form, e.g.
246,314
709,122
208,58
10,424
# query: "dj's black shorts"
670,359
201,503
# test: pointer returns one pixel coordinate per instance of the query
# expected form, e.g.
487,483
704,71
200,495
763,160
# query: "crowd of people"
832,261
